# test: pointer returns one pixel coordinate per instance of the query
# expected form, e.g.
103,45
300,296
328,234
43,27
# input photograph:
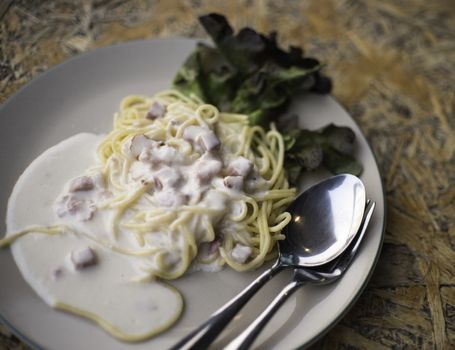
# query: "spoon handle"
245,339
206,333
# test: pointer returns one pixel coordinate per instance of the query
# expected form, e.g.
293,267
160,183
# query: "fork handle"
206,333
245,339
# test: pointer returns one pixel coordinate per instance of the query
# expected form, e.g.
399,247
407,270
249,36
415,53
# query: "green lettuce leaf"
331,146
249,73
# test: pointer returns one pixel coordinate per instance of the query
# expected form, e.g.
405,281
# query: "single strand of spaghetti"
140,215
282,203
129,101
203,110
183,218
272,166
150,224
273,141
273,195
210,232
134,196
157,134
112,202
139,238
243,213
228,242
243,240
252,230
149,227
208,260
185,261
113,330
233,118
48,230
60,229
123,205
125,171
265,160
286,218
195,209
280,182
189,241
280,161
249,138
254,206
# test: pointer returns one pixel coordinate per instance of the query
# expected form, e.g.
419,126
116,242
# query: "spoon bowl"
325,219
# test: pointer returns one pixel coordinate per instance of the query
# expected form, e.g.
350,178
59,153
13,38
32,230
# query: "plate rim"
54,69
360,291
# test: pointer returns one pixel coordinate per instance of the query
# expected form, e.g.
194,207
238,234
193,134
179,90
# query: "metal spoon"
325,274
325,219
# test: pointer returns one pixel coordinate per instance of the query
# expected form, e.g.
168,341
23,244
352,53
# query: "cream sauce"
104,292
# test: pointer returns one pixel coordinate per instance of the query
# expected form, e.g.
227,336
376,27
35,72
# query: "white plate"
81,95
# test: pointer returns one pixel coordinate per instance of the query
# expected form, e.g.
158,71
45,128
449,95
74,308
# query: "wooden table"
393,67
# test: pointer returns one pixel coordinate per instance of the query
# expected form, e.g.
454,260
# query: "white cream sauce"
81,270
104,289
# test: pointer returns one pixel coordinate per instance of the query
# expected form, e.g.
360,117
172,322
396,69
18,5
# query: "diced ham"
240,166
81,183
156,110
73,205
62,208
241,253
167,177
83,210
87,212
170,198
207,169
83,258
208,140
204,137
139,143
234,182
158,184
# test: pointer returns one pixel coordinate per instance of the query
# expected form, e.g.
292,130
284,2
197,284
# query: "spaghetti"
261,217
176,185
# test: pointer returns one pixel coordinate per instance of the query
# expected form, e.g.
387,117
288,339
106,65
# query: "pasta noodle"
177,185
261,215
252,218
